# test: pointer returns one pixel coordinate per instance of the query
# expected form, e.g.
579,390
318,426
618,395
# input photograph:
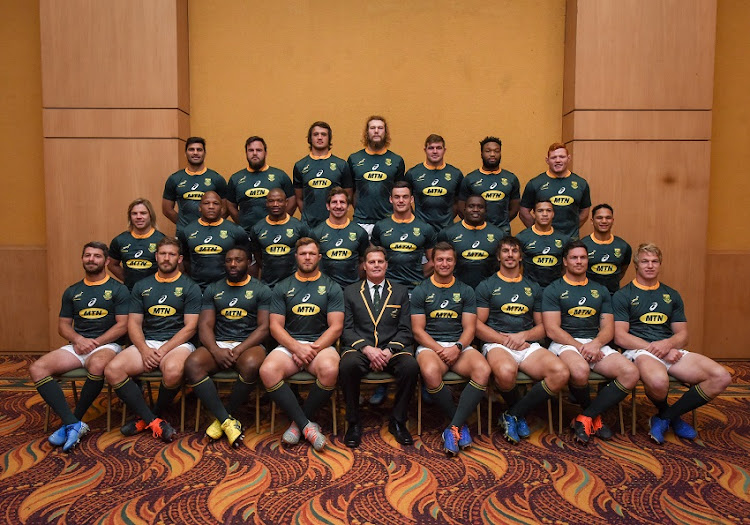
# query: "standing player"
499,187
443,319
314,175
509,322
568,193
205,242
609,255
374,170
163,317
135,248
94,319
435,185
274,238
249,187
342,242
307,317
407,240
650,324
577,315
186,187
542,246
232,326
475,241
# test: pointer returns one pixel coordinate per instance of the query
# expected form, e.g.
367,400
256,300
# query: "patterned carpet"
546,479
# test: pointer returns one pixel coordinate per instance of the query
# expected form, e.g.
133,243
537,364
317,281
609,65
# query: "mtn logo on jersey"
208,249
493,195
138,264
604,268
443,314
161,310
193,195
434,191
305,309
653,318
256,193
402,246
234,313
339,254
514,308
544,260
562,200
93,313
474,255
375,176
278,249
319,182
582,312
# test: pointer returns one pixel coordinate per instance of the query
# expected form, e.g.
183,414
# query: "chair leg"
182,408
622,420
632,412
419,407
489,407
109,407
150,393
550,421
559,413
333,411
273,416
479,419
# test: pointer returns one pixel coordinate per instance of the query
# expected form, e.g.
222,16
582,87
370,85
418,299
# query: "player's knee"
481,372
328,373
557,376
269,374
579,374
194,369
96,365
504,375
720,378
249,363
432,374
113,372
628,374
38,370
172,373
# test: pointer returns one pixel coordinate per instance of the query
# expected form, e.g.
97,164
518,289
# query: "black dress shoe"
353,436
400,433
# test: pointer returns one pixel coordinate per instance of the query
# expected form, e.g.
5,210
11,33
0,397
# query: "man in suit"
377,336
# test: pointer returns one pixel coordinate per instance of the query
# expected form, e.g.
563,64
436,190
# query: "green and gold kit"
498,188
406,243
205,245
374,175
443,305
248,189
341,248
580,305
137,254
236,306
315,176
435,192
275,242
476,250
306,303
164,303
512,303
93,305
607,260
568,195
650,310
186,188
542,254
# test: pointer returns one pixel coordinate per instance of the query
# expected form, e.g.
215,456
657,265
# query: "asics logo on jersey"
514,298
208,239
233,302
434,182
475,244
444,303
319,174
339,242
375,166
306,298
195,187
257,183
277,239
561,190
581,301
605,257
493,185
650,308
92,302
162,299
138,253
546,250
403,237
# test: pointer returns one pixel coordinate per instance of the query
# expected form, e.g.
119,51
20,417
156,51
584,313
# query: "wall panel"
727,330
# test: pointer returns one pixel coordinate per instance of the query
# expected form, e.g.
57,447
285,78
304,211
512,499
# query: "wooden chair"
674,383
450,378
79,374
229,377
304,378
521,379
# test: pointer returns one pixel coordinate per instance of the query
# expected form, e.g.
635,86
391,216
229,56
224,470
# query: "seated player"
307,317
609,255
443,320
163,318
542,246
377,336
509,321
577,316
232,326
650,324
94,319
135,248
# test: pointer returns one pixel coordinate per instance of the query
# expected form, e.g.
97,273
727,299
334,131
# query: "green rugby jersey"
186,188
406,243
607,260
306,303
498,188
205,246
315,176
236,306
649,310
512,303
249,189
374,175
580,306
435,192
93,305
137,254
443,306
568,195
341,247
275,241
476,250
542,254
164,303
